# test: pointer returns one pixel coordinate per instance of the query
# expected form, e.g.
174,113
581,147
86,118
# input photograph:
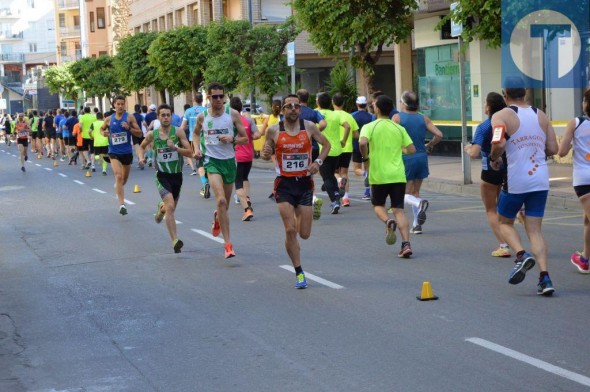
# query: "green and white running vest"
213,127
168,161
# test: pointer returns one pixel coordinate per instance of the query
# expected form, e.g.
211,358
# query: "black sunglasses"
217,96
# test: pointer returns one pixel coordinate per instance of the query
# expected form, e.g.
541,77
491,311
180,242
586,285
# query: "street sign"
456,28
30,86
291,54
3,104
32,91
68,102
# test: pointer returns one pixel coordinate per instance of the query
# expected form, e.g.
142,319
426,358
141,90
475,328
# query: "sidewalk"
446,176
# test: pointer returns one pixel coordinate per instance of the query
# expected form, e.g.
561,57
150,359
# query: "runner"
244,157
118,128
23,131
293,188
50,134
169,143
86,120
138,139
71,142
578,132
416,165
491,180
362,117
531,138
188,124
347,135
100,142
217,131
381,144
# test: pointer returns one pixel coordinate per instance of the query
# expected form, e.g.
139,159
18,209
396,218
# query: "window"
102,53
155,25
169,21
100,22
92,27
31,3
62,20
32,47
63,48
77,21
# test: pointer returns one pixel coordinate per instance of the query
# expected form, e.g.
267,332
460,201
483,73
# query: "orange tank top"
293,152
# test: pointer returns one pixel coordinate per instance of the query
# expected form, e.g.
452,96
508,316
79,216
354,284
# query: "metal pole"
465,159
252,98
293,79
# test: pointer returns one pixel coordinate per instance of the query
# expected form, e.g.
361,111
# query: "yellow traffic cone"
55,163
88,174
427,294
136,189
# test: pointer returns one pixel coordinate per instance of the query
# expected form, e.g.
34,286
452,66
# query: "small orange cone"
427,294
55,163
88,174
136,189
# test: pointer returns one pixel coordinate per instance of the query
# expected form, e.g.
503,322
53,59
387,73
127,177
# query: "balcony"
6,13
11,58
69,32
67,4
8,35
68,57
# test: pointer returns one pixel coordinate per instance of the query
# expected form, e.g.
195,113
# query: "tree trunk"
162,95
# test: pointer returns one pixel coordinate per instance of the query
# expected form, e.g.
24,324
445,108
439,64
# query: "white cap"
361,100
153,107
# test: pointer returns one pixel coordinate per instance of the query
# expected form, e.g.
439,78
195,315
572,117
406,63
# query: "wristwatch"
319,161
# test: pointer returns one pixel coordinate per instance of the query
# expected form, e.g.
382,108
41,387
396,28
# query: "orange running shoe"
229,251
248,215
215,229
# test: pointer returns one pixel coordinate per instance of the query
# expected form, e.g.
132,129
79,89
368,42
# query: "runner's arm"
134,127
566,141
186,149
269,144
149,138
197,136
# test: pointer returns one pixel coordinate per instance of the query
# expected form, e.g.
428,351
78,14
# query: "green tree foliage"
179,56
341,81
481,19
132,64
59,79
98,77
367,26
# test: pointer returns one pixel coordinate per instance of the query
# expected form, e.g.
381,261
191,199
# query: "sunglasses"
217,96
292,106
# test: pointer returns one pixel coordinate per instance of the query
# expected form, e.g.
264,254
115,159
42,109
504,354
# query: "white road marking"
559,178
98,190
208,235
48,169
178,222
78,182
129,202
314,278
63,175
531,361
36,164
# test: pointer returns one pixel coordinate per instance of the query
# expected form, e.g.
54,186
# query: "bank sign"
545,42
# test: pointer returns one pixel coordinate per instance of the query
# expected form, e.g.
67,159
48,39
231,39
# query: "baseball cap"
153,107
361,100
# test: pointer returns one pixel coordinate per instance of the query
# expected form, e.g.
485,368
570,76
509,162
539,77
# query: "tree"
179,57
59,79
341,81
363,25
131,62
481,19
98,77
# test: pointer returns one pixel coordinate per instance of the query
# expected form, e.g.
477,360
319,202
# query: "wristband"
319,162
363,159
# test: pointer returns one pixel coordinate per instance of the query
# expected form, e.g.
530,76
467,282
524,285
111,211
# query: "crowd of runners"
387,147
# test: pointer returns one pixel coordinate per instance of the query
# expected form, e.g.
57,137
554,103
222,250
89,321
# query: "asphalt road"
94,301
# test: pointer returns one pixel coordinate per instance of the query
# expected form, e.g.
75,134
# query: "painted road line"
63,175
314,278
37,164
208,235
531,361
462,209
48,169
78,182
580,215
178,222
129,202
559,178
98,190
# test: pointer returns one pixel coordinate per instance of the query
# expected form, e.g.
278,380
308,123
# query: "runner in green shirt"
386,141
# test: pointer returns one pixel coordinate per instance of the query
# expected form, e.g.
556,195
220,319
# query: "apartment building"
68,30
96,26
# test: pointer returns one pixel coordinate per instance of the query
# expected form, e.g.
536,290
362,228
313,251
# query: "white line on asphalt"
178,222
48,169
129,202
208,235
36,164
531,361
98,190
314,278
559,178
78,182
14,155
63,175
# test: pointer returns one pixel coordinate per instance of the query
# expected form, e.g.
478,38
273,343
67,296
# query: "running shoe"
579,261
520,216
390,236
501,251
63,158
159,213
229,251
422,211
207,191
150,163
367,195
26,158
300,281
345,202
194,173
93,168
236,199
545,286
334,208
123,210
23,169
390,210
177,245
342,186
317,208
523,264
405,252
248,215
104,173
416,229
215,229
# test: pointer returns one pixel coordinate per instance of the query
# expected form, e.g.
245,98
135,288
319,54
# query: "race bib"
119,138
22,134
166,155
294,162
212,135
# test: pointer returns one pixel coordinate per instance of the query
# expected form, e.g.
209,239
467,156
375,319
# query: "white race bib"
294,162
166,155
119,138
22,134
212,135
